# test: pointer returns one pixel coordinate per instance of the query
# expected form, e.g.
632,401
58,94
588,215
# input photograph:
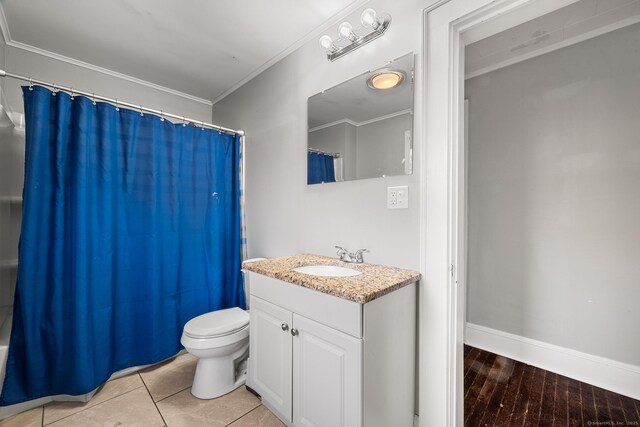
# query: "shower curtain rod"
313,150
117,103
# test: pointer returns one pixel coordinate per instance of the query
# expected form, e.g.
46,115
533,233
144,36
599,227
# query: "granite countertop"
374,282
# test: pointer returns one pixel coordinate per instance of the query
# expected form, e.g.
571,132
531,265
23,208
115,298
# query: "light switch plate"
398,197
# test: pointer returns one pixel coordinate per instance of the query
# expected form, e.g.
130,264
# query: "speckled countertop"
374,282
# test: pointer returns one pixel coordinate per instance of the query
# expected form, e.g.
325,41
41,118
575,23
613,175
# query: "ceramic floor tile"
55,411
135,408
31,418
170,377
183,409
260,416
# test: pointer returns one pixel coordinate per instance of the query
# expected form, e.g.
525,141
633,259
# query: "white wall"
554,199
284,215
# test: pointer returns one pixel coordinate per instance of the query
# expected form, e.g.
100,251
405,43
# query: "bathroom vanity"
333,351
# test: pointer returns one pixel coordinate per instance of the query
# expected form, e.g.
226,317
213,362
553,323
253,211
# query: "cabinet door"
270,354
327,376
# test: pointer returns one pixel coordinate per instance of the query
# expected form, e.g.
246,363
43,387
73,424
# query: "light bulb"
369,18
345,30
326,42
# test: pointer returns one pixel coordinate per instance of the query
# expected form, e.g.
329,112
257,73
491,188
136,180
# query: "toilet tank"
245,275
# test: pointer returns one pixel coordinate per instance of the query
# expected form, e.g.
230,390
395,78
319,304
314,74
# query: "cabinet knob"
284,327
294,332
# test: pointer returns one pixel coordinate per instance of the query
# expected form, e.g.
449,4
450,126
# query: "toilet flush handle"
284,327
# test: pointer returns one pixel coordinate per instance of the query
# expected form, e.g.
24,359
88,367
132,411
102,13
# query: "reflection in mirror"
363,127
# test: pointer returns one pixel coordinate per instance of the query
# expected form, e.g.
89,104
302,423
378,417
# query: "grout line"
154,402
173,394
243,415
84,409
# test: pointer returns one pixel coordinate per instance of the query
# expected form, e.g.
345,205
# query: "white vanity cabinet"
319,360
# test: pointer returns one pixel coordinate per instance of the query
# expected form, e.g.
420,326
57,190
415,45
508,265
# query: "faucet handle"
358,254
341,252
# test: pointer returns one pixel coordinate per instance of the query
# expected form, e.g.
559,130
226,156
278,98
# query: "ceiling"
202,48
355,102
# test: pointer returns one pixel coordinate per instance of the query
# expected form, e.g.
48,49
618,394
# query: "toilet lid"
217,323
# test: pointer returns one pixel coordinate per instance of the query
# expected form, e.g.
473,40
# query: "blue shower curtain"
320,168
131,227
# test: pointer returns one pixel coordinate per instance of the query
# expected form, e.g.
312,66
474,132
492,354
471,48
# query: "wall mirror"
363,127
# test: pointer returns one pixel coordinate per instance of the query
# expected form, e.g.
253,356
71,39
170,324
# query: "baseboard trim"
609,374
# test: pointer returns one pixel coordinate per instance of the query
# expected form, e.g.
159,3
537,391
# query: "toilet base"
217,376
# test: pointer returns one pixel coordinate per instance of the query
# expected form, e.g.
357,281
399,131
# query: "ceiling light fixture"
385,79
349,38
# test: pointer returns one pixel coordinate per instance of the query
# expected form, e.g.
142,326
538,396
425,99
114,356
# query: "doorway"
451,27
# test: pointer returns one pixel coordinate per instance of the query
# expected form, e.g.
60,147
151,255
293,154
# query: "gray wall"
381,147
370,150
11,160
340,138
284,215
554,197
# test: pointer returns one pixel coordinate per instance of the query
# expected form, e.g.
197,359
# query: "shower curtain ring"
161,116
141,113
93,98
202,124
55,90
30,83
117,106
72,94
184,121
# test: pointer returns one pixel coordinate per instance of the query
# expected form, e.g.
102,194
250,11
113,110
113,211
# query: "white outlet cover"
398,197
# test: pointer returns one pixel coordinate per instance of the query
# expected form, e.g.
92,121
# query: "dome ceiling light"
385,79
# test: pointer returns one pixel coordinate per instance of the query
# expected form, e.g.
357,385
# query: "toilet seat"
218,323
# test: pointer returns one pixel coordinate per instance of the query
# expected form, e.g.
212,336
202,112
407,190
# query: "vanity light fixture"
349,38
385,79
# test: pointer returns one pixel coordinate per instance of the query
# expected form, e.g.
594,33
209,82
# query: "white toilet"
220,341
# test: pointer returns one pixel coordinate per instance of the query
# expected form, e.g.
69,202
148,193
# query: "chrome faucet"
352,257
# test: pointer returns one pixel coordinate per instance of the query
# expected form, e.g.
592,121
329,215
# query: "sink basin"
327,271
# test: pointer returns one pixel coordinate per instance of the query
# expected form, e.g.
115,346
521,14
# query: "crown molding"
365,122
301,42
6,34
337,122
106,71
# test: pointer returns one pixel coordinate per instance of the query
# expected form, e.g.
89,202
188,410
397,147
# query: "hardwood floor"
503,392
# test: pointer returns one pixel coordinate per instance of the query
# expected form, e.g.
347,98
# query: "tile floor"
157,396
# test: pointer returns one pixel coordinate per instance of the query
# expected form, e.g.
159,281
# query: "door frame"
449,25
